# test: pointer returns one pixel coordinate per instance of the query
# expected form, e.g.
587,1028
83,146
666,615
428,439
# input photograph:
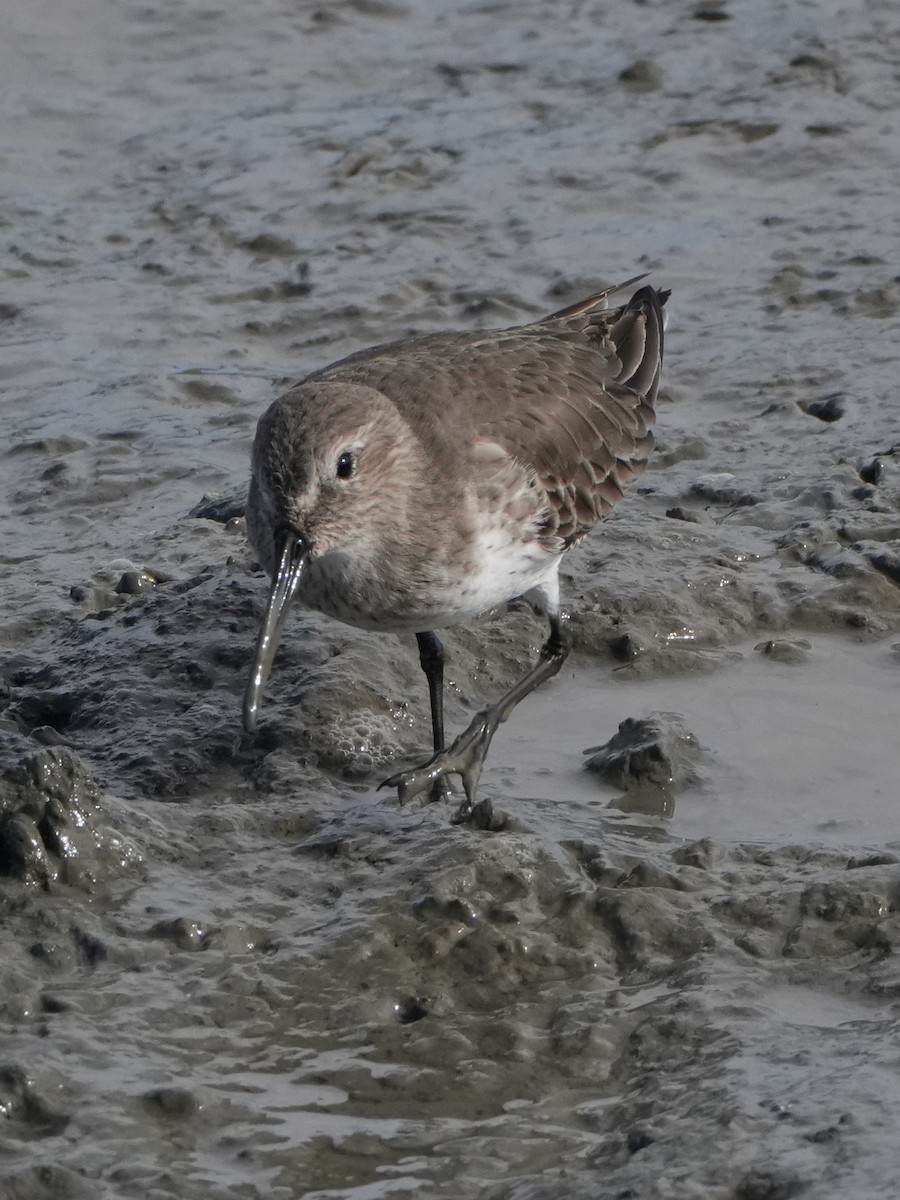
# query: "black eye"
346,465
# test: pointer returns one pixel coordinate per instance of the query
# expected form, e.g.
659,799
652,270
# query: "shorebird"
419,483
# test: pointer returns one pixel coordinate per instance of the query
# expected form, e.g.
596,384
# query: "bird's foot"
465,757
441,791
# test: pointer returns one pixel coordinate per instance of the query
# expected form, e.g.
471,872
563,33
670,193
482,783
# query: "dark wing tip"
638,336
596,300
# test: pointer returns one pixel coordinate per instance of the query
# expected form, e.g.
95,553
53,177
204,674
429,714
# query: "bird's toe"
465,757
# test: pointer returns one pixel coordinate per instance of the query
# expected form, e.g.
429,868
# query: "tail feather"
638,336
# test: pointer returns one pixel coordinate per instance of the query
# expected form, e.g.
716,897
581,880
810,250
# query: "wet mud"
231,966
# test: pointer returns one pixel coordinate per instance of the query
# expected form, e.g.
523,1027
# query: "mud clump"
785,650
651,758
54,826
21,1102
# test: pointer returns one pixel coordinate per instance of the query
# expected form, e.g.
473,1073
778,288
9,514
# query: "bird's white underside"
501,569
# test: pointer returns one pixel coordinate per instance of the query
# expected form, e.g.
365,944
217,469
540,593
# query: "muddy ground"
231,966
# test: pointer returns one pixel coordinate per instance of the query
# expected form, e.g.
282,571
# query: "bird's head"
323,460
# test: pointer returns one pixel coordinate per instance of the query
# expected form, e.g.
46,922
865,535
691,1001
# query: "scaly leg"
465,757
431,656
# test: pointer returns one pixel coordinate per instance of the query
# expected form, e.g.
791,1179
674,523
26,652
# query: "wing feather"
569,399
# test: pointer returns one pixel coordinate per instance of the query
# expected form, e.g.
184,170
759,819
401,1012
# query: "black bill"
292,554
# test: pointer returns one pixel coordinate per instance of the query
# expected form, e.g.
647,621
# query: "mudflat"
232,968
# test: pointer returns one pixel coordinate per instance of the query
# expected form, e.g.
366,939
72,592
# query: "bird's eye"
346,465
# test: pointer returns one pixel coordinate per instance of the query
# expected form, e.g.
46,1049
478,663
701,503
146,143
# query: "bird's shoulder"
469,378
568,400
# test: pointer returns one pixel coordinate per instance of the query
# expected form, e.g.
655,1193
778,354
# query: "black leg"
465,757
431,656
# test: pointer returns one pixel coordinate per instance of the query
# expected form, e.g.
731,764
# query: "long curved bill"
292,555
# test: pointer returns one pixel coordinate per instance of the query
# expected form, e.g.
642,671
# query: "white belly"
497,570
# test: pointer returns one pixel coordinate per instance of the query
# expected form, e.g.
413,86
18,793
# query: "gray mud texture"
233,968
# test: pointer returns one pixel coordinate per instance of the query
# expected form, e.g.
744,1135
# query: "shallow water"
791,752
233,968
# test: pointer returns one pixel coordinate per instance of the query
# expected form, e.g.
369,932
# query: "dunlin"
416,484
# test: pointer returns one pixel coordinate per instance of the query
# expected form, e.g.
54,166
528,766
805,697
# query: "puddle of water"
818,1009
801,752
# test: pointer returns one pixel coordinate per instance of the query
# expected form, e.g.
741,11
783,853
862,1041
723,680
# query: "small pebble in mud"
272,245
783,650
827,408
681,514
133,583
872,472
54,1004
221,509
410,1010
172,1103
181,932
111,584
638,1139
721,488
21,1101
46,735
93,598
641,76
626,647
831,558
883,561
872,860
482,816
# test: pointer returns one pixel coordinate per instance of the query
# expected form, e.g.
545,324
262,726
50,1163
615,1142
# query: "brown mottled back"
569,397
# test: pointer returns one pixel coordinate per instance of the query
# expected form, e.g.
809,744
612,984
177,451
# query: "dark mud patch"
54,826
